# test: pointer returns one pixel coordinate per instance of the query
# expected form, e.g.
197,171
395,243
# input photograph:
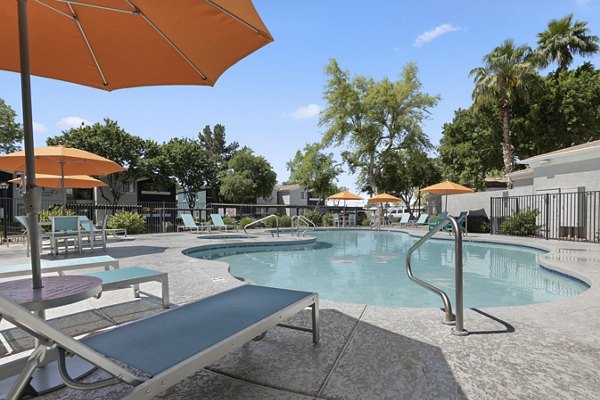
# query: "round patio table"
56,291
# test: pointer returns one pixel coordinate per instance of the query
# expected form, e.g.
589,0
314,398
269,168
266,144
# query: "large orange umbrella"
112,44
384,198
68,181
60,161
446,188
344,196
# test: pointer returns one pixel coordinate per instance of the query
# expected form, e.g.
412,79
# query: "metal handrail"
302,218
451,319
262,220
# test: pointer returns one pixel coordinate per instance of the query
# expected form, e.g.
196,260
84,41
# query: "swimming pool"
368,267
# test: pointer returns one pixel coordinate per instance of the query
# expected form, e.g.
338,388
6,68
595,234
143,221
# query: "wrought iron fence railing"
565,216
160,217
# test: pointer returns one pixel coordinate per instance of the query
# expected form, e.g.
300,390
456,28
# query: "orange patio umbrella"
446,188
60,161
384,198
112,44
344,196
68,181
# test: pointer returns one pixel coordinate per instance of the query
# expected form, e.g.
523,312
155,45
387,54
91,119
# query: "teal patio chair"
404,219
93,233
336,221
441,216
461,220
65,229
189,224
422,221
218,223
22,219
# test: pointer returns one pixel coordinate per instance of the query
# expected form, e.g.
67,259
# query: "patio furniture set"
74,231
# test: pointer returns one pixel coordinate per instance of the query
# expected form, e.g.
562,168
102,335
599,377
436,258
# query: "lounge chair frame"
278,305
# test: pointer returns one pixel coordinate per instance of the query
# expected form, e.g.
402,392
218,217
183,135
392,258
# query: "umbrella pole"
62,186
32,197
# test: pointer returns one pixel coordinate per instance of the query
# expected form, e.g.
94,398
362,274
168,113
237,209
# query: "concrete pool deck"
541,351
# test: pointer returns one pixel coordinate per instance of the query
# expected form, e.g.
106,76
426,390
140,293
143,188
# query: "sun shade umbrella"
61,161
112,44
344,196
446,188
384,198
68,181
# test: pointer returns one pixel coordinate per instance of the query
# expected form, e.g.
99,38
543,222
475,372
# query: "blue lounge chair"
461,220
422,221
189,224
166,347
441,217
217,222
404,219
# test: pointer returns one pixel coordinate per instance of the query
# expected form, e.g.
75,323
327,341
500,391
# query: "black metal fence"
160,217
565,216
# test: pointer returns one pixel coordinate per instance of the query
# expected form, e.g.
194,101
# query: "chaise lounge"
165,348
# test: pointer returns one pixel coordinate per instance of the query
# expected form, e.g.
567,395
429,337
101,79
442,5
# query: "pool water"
368,267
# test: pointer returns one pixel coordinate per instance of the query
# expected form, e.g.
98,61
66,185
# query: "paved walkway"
543,351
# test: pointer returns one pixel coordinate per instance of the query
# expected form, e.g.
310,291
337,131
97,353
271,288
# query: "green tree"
218,153
247,177
563,111
187,162
315,170
11,132
372,118
404,172
562,39
506,76
108,140
469,149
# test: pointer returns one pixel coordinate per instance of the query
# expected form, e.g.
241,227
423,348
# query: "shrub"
228,220
271,222
245,221
327,219
55,211
522,224
313,216
133,222
285,221
366,222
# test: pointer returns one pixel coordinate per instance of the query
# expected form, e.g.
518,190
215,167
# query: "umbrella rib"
54,9
87,43
191,64
80,3
246,24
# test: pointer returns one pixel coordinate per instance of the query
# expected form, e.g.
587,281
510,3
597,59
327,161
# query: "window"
128,187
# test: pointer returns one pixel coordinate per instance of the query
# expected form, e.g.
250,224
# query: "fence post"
546,206
492,219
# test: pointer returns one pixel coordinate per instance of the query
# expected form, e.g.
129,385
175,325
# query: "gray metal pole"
32,195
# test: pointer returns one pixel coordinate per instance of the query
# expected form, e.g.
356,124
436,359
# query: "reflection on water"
368,267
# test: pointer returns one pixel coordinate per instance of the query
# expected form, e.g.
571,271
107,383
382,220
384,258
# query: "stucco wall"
584,173
479,202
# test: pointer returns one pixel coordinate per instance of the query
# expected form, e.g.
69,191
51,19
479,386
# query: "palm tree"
506,76
562,40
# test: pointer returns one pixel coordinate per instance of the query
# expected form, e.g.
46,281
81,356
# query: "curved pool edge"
552,260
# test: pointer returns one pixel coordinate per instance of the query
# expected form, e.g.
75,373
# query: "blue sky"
270,100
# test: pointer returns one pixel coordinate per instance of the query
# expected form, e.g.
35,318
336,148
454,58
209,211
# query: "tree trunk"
507,147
